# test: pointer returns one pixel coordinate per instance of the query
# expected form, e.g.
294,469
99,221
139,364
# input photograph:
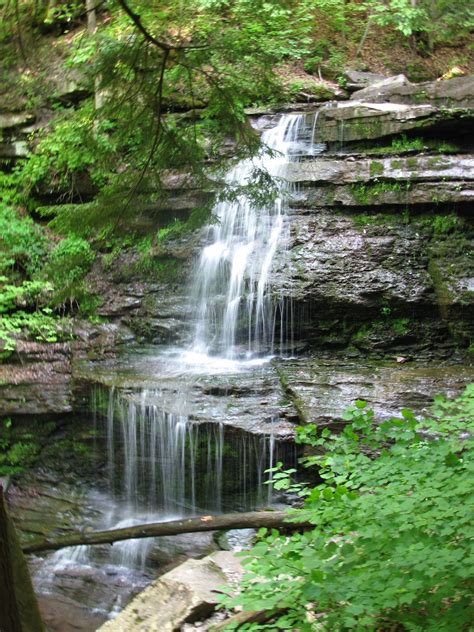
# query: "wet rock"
456,92
378,194
63,614
326,388
38,378
356,120
372,274
422,168
38,381
334,262
242,400
183,595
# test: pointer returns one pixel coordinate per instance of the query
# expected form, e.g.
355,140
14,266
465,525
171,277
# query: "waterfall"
236,315
163,466
160,462
167,464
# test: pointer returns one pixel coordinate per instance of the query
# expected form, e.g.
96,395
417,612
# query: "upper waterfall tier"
235,314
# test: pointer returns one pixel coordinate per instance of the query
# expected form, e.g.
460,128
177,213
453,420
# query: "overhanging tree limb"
165,46
249,520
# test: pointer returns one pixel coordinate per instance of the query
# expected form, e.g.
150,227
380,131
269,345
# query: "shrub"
392,545
21,242
66,267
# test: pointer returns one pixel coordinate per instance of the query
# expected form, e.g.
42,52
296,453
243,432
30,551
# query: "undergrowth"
392,540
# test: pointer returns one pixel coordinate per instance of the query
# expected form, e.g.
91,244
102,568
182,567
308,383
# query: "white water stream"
237,317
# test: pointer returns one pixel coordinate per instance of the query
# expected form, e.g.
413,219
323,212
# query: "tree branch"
165,46
249,520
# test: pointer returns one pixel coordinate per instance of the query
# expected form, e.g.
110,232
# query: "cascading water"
166,464
236,316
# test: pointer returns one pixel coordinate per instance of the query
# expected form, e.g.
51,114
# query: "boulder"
181,596
455,92
357,80
14,130
310,90
14,149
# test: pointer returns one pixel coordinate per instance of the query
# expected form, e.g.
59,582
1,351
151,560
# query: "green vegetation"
367,194
158,111
20,445
301,89
66,267
386,328
376,168
22,243
443,224
24,297
392,544
407,144
403,144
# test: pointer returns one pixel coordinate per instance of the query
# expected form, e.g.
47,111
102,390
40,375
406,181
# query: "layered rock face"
378,254
378,257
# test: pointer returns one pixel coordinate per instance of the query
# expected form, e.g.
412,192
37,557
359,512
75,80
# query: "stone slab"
458,92
326,388
184,594
422,168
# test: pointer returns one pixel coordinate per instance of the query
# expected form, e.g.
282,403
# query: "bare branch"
165,46
249,520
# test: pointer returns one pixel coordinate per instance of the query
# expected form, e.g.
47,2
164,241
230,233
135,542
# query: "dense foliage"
168,86
392,544
36,278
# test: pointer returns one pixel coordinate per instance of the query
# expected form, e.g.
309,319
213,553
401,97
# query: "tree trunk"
19,610
91,17
250,520
91,30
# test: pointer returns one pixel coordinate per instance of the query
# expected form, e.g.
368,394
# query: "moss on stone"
443,295
376,168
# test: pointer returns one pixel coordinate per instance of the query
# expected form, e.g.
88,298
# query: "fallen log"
249,520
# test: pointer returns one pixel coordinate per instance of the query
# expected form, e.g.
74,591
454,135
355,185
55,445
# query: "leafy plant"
21,242
408,144
392,543
15,455
444,224
66,267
